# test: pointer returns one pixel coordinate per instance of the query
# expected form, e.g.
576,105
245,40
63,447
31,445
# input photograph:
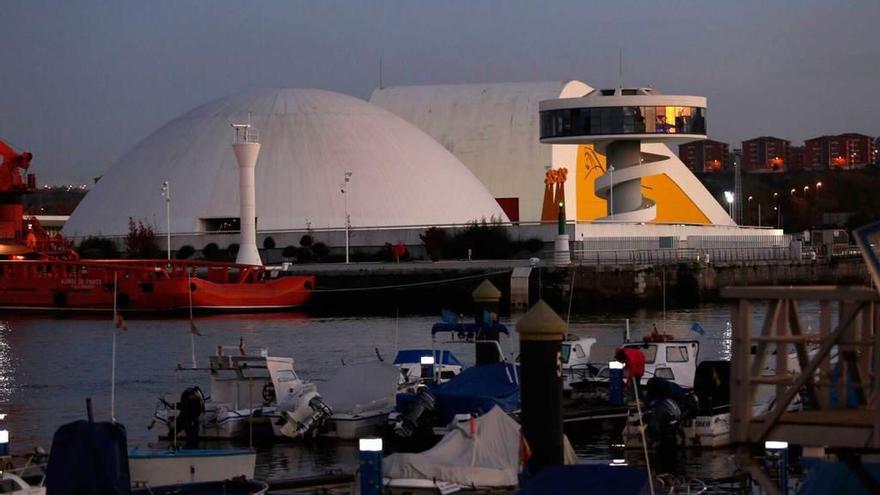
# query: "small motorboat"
149,468
248,391
361,397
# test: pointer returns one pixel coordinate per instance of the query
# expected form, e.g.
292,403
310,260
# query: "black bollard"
486,297
541,332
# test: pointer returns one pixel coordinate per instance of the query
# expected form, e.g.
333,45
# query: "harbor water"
49,365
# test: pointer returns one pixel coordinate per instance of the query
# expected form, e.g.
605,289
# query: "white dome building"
310,139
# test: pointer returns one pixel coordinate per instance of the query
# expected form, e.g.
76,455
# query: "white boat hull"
168,468
353,427
702,432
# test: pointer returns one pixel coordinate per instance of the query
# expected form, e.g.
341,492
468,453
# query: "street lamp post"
166,193
344,190
749,207
728,195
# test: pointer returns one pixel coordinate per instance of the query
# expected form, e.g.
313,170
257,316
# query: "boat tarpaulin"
478,389
836,477
415,356
583,478
356,388
88,458
483,452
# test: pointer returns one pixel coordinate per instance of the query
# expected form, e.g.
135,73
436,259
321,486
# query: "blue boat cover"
89,458
415,356
477,389
468,330
587,478
836,477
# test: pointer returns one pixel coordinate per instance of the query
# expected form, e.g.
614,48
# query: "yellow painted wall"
590,165
673,205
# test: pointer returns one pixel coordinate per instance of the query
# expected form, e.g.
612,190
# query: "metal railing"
678,255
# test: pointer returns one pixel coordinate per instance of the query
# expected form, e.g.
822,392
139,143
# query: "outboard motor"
417,411
664,422
320,412
189,418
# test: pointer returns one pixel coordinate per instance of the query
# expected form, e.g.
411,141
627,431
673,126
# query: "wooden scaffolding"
835,376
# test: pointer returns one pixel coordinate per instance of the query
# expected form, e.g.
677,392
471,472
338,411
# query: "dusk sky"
83,81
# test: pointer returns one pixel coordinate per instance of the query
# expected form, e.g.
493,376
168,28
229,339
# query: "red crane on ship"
20,234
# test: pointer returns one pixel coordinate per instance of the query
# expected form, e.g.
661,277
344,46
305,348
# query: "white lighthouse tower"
246,146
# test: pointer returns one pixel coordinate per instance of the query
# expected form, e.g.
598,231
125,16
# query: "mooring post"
541,332
370,471
615,383
486,297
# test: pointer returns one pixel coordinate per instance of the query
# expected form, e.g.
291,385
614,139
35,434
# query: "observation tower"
617,122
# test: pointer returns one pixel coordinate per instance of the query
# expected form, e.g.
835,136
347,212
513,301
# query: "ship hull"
145,286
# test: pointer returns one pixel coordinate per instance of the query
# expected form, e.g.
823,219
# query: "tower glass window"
599,121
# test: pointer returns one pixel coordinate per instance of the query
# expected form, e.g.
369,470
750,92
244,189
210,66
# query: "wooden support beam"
824,330
741,391
806,373
767,331
802,355
757,474
782,349
865,354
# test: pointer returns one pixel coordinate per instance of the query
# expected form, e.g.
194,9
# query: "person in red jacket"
635,366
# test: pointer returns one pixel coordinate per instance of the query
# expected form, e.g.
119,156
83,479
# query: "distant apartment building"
876,152
795,159
705,156
765,154
843,151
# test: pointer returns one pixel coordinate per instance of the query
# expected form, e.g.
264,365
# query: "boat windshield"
566,353
286,376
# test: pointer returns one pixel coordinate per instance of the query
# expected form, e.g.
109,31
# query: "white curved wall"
310,139
493,129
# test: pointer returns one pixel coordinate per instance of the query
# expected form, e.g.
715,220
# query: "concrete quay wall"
424,287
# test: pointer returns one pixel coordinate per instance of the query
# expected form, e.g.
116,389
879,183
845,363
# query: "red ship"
42,272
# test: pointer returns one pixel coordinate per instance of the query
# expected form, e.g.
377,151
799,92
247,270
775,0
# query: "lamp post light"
728,196
166,193
749,207
806,188
792,191
344,189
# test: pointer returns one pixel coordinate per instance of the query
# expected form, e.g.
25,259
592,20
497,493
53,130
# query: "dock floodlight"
775,445
370,445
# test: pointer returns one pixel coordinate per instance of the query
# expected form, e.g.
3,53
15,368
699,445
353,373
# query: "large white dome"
310,138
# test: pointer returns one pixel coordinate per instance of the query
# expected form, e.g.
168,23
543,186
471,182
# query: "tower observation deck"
617,122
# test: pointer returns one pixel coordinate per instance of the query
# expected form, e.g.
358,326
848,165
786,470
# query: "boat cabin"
575,355
674,360
446,365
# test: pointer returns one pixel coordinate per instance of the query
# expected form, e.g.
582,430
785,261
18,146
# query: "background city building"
764,154
705,156
843,151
